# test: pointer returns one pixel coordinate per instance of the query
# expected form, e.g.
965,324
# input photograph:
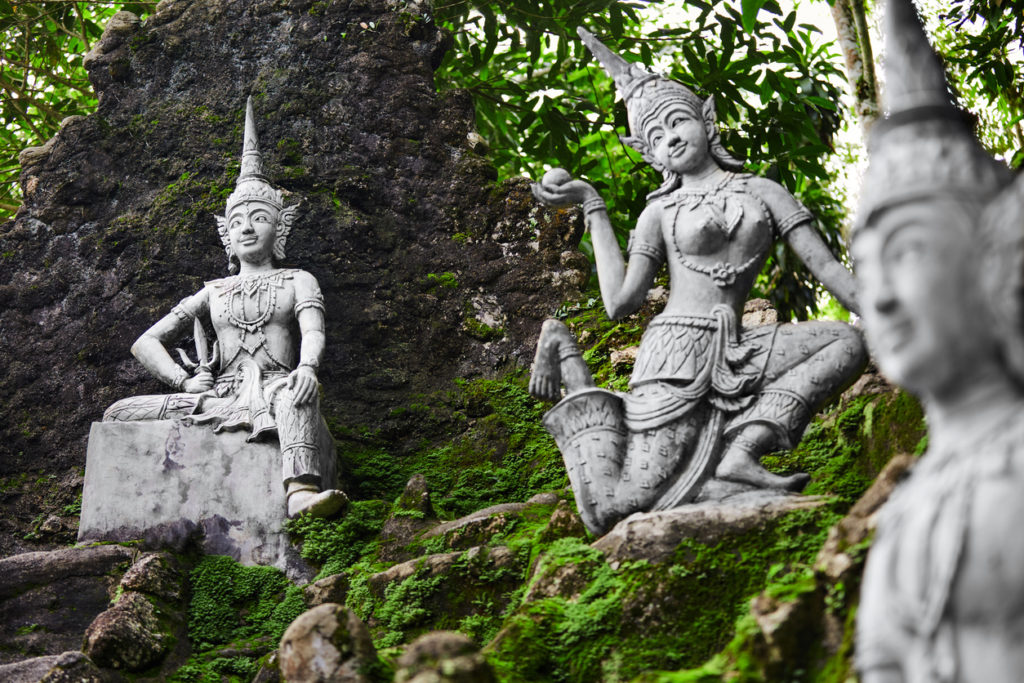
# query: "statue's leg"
807,365
153,407
558,360
298,433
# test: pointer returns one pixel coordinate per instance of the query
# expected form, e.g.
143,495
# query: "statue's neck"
969,415
708,174
251,268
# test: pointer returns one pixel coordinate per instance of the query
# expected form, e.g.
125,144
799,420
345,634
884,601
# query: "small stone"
330,589
759,312
443,657
75,667
51,525
327,643
128,636
624,358
416,498
155,575
564,523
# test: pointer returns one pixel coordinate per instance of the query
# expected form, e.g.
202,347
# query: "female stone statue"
708,398
269,321
939,252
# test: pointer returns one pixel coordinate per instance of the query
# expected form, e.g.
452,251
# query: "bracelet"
593,204
179,377
311,364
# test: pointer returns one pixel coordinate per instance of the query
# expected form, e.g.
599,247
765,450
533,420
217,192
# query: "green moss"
233,605
231,602
480,330
334,545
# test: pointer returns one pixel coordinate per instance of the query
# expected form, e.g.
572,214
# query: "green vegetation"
233,606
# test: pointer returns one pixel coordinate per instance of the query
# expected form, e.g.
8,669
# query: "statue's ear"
640,145
222,230
708,112
284,228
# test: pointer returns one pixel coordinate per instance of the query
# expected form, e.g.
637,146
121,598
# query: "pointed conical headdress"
924,147
251,183
647,94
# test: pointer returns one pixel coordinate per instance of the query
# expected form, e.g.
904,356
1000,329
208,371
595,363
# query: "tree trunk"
851,28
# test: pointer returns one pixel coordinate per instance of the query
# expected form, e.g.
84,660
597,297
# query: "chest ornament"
716,212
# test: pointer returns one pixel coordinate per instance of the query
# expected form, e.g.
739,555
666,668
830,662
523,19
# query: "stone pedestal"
164,482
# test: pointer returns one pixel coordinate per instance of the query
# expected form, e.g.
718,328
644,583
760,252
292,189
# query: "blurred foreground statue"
260,374
939,252
708,398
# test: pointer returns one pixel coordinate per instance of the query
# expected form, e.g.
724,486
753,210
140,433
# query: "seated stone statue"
260,374
938,247
708,398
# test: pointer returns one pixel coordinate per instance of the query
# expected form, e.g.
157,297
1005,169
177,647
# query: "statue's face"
252,226
678,139
919,297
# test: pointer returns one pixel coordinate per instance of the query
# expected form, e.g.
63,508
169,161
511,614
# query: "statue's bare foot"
546,378
316,503
739,465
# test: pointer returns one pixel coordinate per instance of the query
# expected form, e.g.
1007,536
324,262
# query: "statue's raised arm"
708,397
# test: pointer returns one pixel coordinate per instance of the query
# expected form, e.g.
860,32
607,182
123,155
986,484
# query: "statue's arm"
622,289
796,225
151,348
309,313
810,247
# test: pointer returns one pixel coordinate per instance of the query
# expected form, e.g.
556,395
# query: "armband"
316,302
593,204
636,246
794,219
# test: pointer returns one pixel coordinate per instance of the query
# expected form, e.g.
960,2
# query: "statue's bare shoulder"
786,210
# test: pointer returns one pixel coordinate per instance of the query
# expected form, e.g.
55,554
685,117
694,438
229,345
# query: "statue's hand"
558,190
200,382
303,384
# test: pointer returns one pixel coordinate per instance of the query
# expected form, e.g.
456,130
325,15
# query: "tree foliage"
542,100
41,75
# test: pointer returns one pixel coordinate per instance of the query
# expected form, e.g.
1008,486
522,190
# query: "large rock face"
429,272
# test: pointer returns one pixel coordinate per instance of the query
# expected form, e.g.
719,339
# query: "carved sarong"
695,380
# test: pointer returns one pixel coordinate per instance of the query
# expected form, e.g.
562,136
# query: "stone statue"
260,374
708,398
938,247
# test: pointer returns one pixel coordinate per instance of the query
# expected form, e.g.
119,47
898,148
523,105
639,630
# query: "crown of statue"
647,94
925,146
252,184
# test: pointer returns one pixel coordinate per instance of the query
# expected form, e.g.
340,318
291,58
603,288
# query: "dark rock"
459,584
327,643
416,498
443,657
412,514
116,225
129,636
478,528
21,572
329,589
654,536
76,667
28,670
48,599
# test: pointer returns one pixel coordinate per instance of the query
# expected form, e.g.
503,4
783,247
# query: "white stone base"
163,481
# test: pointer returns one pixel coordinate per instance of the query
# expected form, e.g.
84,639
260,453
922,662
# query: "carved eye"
676,120
656,138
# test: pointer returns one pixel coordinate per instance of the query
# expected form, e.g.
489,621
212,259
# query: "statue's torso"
944,589
253,317
716,240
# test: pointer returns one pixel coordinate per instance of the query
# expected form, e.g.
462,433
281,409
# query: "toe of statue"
323,504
